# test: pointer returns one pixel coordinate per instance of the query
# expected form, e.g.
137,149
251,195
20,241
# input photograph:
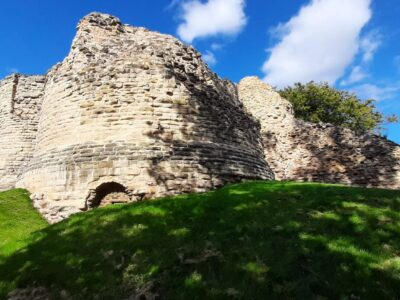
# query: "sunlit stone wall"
140,109
20,101
298,150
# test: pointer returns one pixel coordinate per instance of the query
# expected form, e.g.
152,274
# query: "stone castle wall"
132,114
298,150
20,102
139,109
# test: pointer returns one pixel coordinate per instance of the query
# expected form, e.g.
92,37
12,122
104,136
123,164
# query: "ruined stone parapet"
298,150
140,112
20,102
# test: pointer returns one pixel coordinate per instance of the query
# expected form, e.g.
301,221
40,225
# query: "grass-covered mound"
18,220
258,240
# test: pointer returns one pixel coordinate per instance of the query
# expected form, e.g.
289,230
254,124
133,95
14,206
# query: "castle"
132,114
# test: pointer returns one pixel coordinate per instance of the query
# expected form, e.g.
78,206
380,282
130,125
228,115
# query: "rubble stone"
303,151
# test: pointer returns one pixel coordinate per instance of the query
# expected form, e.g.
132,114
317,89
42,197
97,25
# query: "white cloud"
217,47
209,58
378,92
319,43
215,17
173,4
369,45
357,74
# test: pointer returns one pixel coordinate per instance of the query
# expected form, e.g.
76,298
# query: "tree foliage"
318,102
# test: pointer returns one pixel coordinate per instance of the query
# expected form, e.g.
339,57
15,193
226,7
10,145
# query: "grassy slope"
259,240
18,219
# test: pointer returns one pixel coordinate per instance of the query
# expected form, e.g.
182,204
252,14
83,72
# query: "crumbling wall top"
6,94
100,20
21,93
264,103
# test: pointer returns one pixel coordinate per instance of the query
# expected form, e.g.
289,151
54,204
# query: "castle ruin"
132,114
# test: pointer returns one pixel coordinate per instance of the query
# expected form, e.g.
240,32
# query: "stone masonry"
20,102
132,114
129,112
298,150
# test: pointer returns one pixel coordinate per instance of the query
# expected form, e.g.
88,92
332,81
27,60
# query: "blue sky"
353,44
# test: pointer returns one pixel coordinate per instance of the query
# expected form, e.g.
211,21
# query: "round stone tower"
133,114
20,100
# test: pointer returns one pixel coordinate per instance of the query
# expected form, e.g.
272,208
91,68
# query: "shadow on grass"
255,240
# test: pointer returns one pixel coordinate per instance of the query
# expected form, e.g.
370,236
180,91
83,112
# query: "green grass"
18,219
257,240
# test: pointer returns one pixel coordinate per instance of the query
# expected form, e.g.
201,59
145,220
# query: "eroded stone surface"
137,108
298,150
137,114
20,103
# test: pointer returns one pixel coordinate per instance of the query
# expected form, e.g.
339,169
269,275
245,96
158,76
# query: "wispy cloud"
369,45
216,46
210,58
214,17
173,4
11,70
357,74
379,92
396,62
319,43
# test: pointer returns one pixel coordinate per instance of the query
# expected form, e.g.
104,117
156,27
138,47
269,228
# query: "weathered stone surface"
132,114
298,150
131,107
20,103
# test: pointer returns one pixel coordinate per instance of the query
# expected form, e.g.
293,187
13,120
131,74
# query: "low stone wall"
298,150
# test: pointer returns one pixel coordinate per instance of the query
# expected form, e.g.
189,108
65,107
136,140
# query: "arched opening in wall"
107,194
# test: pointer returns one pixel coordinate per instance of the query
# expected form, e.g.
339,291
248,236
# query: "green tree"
318,102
